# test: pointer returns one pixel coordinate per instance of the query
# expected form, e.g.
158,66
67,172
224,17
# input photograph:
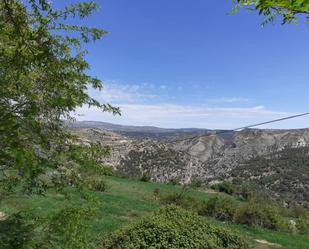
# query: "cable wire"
248,126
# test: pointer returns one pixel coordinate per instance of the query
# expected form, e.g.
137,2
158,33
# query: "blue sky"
186,63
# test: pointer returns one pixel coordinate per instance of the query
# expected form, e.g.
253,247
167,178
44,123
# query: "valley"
250,155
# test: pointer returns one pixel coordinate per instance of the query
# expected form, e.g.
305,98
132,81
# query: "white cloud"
229,100
115,92
133,101
180,116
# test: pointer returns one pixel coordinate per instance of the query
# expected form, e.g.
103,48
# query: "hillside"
284,173
127,201
208,158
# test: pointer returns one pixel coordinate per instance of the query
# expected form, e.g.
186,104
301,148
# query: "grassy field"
127,200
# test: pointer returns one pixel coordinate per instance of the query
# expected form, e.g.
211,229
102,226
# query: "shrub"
196,184
226,187
246,191
186,202
302,225
67,229
299,211
267,216
94,184
156,193
16,231
219,207
173,181
99,185
173,228
145,178
181,199
97,169
107,171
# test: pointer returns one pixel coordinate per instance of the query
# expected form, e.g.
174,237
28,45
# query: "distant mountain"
138,131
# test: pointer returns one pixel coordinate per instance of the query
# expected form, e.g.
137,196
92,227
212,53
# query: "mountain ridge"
208,158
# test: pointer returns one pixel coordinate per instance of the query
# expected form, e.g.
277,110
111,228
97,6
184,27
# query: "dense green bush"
173,228
145,178
219,207
16,231
226,187
256,214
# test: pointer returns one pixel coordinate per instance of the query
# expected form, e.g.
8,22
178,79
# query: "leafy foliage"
16,231
289,10
65,228
259,211
145,178
255,214
222,208
173,228
43,80
226,187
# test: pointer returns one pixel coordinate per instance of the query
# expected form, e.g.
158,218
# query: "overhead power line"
250,126
272,121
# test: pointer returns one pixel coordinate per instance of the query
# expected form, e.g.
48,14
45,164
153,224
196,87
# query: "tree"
288,10
43,80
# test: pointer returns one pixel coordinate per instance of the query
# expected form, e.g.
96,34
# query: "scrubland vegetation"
130,213
54,192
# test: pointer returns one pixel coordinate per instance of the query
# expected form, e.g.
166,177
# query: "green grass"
127,200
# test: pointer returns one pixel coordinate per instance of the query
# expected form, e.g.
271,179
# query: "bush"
94,184
302,225
226,187
186,202
16,231
145,178
173,228
181,199
267,216
156,193
299,211
173,181
219,207
97,169
63,229
250,191
67,229
196,184
246,191
107,171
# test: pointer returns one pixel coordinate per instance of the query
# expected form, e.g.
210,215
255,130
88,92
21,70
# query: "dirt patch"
208,191
267,243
